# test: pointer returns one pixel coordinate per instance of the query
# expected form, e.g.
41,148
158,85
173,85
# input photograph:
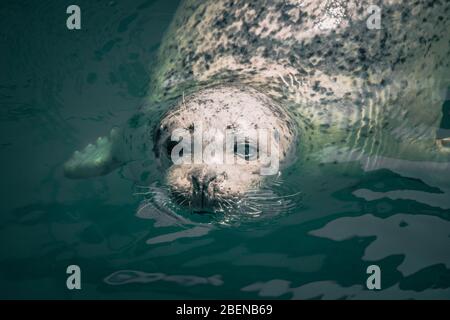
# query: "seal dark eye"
247,151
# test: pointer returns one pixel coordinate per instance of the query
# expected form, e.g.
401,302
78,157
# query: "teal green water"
59,89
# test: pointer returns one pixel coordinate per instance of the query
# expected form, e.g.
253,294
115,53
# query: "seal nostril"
207,181
195,183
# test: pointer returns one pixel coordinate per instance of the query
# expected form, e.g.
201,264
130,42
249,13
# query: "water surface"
61,89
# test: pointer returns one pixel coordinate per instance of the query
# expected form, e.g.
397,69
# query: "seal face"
233,138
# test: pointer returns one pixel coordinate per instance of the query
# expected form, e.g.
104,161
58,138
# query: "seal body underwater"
312,70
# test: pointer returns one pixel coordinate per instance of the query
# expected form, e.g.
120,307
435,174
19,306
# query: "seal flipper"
96,160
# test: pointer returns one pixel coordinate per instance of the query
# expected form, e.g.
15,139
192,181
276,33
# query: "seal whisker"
275,197
144,193
146,204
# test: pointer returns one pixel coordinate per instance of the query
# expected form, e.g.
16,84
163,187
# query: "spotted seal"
311,69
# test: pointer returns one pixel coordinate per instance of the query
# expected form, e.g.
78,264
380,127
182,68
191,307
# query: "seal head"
220,143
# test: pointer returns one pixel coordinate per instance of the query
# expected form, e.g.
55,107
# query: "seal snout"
203,188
